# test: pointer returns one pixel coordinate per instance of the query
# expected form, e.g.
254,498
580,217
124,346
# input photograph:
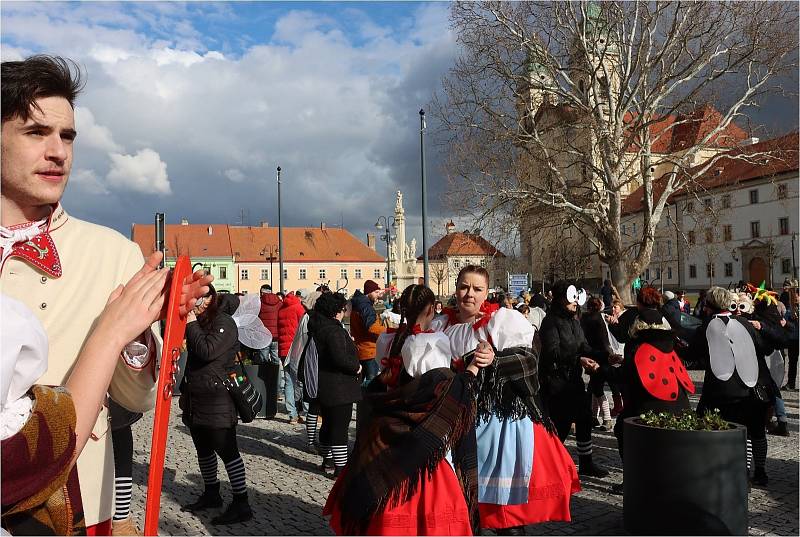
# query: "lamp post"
424,196
388,221
271,258
794,258
160,240
280,235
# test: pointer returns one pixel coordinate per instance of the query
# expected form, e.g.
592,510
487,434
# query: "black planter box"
684,482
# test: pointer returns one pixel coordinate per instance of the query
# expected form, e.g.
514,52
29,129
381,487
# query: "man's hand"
756,325
193,288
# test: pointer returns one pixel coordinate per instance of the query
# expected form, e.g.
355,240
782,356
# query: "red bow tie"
40,252
417,329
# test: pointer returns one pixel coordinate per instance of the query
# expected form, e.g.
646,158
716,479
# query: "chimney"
450,227
322,226
750,141
371,240
264,223
210,231
184,222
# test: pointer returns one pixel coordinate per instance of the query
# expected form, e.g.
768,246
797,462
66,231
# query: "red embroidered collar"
40,251
487,310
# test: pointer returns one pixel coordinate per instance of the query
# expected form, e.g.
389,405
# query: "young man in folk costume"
62,268
525,475
737,380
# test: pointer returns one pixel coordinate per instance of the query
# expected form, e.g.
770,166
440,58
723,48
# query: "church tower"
594,61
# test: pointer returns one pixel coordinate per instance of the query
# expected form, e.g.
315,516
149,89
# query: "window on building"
357,273
669,273
285,274
669,248
343,273
707,203
223,273
245,275
782,191
726,201
623,231
709,235
658,274
786,265
302,273
689,207
727,232
483,262
753,196
376,273
755,229
690,237
264,274
207,269
693,271
783,225
322,275
709,270
456,263
634,228
647,274
728,270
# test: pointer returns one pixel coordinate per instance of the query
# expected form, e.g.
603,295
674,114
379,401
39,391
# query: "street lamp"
280,233
424,196
387,221
271,258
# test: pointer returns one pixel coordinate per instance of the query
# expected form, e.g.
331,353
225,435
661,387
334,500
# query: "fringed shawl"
40,490
509,388
411,430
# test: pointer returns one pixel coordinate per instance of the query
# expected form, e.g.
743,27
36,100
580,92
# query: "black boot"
778,429
209,498
238,511
759,478
336,472
513,530
588,468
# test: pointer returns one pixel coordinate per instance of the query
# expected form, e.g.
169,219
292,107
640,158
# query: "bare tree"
439,273
564,106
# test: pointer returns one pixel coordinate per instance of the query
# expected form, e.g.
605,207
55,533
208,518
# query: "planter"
684,482
262,376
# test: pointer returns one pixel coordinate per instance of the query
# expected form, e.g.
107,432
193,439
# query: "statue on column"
398,206
413,249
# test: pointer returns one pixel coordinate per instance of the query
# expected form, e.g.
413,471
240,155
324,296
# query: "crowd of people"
463,404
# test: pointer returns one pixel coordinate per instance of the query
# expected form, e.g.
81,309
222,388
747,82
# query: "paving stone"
287,492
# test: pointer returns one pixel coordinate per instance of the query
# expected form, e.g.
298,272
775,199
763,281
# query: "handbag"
246,399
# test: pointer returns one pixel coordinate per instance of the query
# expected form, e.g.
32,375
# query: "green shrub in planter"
684,475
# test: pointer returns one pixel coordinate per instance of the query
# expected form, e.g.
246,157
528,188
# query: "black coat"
563,344
338,361
211,352
594,328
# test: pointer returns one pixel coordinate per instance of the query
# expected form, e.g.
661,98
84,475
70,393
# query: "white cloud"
235,175
88,181
90,134
143,172
337,110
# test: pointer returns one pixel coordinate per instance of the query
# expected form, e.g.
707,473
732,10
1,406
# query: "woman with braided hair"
413,467
525,475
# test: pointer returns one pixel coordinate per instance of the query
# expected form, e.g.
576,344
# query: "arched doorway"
758,270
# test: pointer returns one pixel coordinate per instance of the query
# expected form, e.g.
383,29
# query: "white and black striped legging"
210,442
333,435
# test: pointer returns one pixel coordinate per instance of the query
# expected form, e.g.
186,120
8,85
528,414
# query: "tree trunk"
621,280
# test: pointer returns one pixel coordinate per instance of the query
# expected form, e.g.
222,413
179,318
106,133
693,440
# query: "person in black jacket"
212,341
594,328
737,401
338,383
565,355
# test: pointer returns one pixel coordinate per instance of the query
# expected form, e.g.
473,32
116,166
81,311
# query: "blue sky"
190,107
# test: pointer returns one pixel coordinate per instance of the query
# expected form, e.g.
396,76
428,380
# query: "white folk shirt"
94,260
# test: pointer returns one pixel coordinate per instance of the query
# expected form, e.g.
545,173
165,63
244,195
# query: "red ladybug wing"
683,375
657,372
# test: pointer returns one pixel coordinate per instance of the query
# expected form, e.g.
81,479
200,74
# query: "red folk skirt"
553,481
437,508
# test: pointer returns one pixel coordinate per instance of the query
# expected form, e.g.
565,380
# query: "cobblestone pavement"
287,492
